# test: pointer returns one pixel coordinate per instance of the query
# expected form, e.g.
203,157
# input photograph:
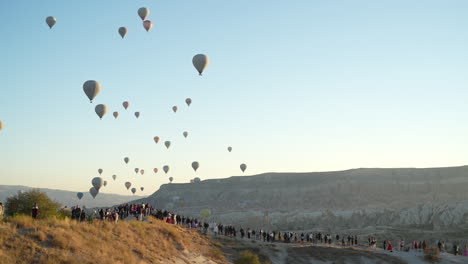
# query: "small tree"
247,257
205,214
23,202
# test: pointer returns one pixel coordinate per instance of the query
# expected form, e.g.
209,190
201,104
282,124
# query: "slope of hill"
24,240
68,198
432,198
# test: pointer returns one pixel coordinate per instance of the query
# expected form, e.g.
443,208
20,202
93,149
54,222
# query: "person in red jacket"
389,247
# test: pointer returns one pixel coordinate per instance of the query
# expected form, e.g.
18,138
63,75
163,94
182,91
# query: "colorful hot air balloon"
115,114
156,139
147,24
243,167
101,110
195,165
174,108
1,125
126,105
100,171
185,134
79,195
167,144
171,179
155,170
114,177
188,101
142,172
137,114
229,149
136,170
127,185
126,160
97,183
93,192
50,20
166,169
123,31
143,12
133,190
91,89
200,62
142,188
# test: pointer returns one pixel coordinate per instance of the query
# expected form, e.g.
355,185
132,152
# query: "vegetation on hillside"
23,201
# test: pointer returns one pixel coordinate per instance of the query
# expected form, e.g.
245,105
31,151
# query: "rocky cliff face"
430,198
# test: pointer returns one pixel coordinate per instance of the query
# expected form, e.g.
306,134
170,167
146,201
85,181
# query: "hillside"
68,198
23,240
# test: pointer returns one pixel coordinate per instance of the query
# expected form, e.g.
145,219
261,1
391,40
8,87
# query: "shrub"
247,257
22,203
432,254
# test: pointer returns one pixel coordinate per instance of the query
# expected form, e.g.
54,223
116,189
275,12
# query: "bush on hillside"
22,203
432,254
247,257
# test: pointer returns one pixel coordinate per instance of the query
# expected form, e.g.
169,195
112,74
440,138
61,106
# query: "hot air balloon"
97,183
142,172
79,195
196,180
188,101
93,192
167,144
195,165
91,89
142,188
143,12
104,183
126,160
243,167
101,110
126,105
155,170
127,185
100,171
114,177
137,114
166,169
156,139
133,190
123,31
174,108
115,114
229,149
136,170
171,179
50,20
147,24
200,62
1,125
185,134
192,181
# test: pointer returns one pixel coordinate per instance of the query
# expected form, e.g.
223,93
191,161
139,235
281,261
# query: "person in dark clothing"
35,211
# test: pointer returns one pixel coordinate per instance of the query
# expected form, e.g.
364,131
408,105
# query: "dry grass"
23,240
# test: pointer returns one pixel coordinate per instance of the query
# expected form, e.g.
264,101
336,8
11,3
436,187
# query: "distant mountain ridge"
69,198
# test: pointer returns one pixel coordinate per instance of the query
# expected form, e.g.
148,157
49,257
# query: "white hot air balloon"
174,108
126,160
123,31
50,20
167,144
93,192
136,170
114,177
126,105
100,171
188,101
137,114
97,183
143,13
128,185
195,165
133,190
171,179
79,195
243,167
166,169
115,114
147,24
91,89
229,149
200,62
101,110
185,134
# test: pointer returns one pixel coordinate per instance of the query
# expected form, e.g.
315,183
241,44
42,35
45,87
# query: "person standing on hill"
35,211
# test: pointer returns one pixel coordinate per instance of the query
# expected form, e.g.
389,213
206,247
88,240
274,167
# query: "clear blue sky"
293,86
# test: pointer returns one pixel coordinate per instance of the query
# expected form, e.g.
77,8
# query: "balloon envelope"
188,101
97,183
93,192
127,185
50,20
100,171
167,144
171,179
123,31
115,114
133,190
196,180
137,114
142,172
126,105
126,159
156,139
114,177
155,170
143,12
185,134
147,24
136,170
195,165
229,149
1,125
79,195
91,89
142,188
101,110
174,108
166,169
104,183
200,62
243,167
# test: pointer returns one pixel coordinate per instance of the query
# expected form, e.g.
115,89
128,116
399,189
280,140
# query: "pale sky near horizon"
292,86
